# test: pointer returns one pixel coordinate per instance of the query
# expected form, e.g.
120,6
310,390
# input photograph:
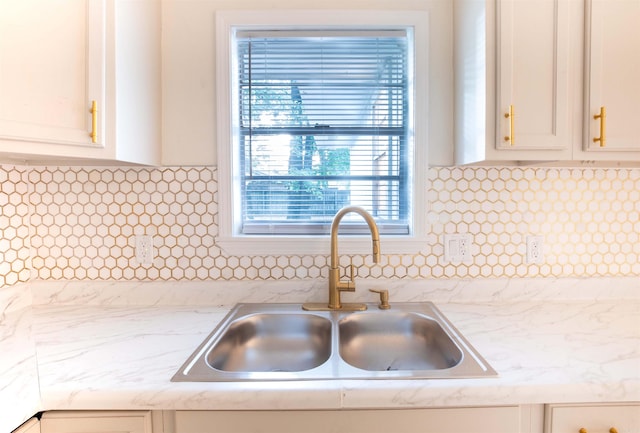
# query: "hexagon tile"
14,226
83,222
589,220
86,221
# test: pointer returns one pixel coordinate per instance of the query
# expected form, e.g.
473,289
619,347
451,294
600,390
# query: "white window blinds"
323,123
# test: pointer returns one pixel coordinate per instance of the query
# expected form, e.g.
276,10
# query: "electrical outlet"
144,249
457,247
535,245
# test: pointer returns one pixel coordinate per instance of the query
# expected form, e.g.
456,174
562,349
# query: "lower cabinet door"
30,426
592,418
96,422
453,420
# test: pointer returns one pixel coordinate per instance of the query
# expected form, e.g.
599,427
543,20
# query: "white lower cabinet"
96,422
592,418
445,420
30,426
551,418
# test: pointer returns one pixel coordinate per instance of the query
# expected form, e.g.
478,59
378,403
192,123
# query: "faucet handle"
346,285
352,273
384,298
350,284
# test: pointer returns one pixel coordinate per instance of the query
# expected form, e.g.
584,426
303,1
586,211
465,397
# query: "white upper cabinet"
532,90
612,68
513,61
60,59
522,66
50,72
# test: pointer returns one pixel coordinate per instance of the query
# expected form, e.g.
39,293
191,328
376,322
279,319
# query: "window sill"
316,245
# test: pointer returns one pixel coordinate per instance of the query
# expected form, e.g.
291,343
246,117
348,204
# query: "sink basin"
396,341
272,342
283,342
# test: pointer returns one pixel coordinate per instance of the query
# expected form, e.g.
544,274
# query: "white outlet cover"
457,248
535,249
144,249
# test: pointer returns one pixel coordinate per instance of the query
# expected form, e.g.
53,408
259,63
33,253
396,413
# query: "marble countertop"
116,346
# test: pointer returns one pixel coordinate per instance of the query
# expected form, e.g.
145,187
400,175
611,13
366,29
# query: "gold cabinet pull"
603,127
509,115
94,122
611,430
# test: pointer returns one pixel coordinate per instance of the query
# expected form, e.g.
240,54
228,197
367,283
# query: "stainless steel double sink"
265,342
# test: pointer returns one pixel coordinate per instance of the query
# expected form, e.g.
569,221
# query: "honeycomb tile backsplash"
14,226
79,223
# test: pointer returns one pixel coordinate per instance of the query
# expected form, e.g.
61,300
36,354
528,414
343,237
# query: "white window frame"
227,22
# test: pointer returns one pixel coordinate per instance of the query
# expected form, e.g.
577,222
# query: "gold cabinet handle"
94,122
511,136
611,430
603,127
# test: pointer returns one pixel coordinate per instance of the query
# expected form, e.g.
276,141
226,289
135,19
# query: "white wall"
188,49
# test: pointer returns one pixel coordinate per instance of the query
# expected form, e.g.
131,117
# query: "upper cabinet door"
60,59
51,70
612,71
532,94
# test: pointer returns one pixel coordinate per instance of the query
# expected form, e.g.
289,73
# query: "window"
323,123
321,117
